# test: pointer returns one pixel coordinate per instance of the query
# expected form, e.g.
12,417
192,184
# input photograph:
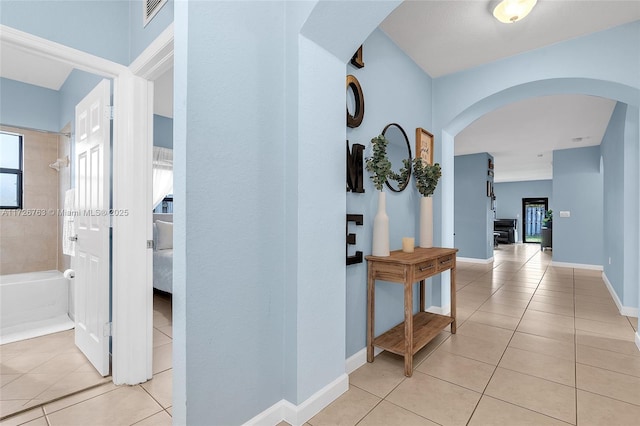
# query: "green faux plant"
378,165
426,175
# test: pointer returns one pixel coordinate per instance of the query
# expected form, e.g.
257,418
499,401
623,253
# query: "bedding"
165,235
163,270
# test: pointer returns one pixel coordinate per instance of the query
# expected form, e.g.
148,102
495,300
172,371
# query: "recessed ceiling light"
580,138
539,155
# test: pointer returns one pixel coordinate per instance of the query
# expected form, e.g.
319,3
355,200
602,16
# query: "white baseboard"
630,312
269,417
440,310
576,265
297,415
358,359
474,260
624,310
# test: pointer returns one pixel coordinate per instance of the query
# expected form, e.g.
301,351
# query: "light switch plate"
565,214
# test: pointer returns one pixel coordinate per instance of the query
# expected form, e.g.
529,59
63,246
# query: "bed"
163,252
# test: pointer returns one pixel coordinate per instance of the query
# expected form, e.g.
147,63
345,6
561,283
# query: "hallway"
536,345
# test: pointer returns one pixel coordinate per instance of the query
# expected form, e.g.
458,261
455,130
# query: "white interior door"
92,260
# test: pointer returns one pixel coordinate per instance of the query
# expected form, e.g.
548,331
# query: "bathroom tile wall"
29,242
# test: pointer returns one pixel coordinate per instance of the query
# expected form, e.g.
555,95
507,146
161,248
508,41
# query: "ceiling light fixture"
510,11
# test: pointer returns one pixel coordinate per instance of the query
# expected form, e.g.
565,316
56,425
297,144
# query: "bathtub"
33,304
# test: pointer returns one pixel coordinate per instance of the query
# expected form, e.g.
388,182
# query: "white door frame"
132,311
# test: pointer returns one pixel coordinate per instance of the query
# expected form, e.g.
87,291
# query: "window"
10,171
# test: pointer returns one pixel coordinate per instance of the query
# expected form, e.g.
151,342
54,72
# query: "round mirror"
398,150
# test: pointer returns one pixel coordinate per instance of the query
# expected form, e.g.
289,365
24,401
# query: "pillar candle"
407,244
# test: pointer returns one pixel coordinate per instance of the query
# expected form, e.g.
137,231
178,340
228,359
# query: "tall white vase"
426,222
381,228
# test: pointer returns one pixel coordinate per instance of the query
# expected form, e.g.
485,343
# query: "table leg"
422,301
453,300
371,294
408,329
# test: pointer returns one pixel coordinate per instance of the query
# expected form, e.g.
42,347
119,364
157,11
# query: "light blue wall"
140,36
509,197
612,149
95,26
230,156
631,209
111,29
74,89
296,14
25,105
577,188
316,287
395,90
321,207
162,131
297,210
473,216
617,49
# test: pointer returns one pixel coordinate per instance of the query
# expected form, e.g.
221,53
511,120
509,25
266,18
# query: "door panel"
533,210
92,260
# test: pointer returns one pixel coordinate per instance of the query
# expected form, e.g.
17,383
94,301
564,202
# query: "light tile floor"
41,371
536,345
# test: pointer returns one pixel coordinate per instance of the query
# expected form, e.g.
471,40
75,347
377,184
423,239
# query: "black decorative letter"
357,60
355,119
351,239
355,168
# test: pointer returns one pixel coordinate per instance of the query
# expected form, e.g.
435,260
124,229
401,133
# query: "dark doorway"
533,211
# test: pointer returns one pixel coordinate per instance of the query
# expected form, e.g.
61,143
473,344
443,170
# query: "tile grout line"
152,397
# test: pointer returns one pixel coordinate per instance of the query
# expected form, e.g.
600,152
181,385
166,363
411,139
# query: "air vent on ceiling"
150,9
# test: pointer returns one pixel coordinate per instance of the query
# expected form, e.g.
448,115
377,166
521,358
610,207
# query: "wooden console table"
417,330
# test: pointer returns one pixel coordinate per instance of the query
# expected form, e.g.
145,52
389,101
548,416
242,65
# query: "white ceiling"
522,136
443,37
163,94
19,65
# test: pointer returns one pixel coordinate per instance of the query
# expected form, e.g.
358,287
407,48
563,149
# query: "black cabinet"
547,239
506,228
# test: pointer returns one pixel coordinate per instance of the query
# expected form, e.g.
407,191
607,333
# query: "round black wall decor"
356,119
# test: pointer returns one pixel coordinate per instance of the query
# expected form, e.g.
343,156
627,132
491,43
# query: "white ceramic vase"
426,222
380,241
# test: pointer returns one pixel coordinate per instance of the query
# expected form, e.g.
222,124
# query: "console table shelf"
426,326
417,330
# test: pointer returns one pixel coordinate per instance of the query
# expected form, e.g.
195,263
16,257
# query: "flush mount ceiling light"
510,11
